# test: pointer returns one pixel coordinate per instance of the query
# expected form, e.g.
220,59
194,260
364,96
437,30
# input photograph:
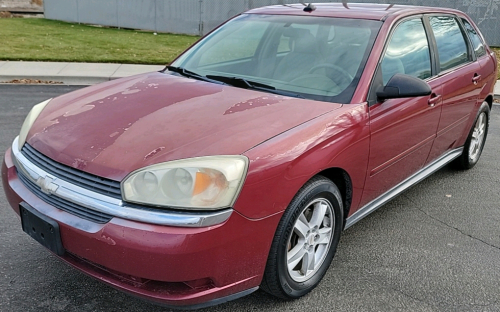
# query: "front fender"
283,164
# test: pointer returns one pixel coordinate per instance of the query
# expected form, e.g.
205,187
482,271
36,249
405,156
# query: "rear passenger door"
459,74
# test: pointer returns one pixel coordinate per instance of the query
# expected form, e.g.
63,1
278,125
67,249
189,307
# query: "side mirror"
403,86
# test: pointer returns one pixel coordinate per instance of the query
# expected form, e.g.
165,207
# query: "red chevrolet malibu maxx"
238,166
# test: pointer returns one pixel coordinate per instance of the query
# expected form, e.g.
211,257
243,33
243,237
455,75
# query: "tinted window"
407,52
450,41
475,39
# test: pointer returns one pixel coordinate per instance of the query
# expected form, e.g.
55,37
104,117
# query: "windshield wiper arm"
247,84
187,73
240,82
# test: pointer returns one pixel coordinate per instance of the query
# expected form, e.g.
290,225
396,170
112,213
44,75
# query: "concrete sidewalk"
84,73
71,73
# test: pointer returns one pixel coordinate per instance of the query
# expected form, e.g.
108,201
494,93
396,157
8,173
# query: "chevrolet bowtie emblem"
47,184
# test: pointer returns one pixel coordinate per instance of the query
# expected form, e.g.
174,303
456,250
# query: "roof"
350,10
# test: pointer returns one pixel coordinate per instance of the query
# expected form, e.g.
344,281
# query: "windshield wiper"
187,73
248,84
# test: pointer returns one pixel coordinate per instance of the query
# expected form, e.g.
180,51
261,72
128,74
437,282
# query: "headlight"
211,182
30,119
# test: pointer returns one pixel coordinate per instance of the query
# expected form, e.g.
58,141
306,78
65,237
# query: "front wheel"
305,240
475,141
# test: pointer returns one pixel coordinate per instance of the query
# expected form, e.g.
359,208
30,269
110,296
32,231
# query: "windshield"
316,58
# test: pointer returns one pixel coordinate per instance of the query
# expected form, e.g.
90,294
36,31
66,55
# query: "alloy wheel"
477,140
310,240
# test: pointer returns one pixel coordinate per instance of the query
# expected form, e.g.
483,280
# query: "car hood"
117,127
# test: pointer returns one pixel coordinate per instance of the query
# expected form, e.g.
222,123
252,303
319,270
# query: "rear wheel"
305,240
475,141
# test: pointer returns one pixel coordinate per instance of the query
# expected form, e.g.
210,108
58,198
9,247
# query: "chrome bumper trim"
109,205
398,189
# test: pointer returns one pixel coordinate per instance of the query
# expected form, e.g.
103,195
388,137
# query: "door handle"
476,78
434,99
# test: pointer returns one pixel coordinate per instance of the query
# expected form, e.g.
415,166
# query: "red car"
239,165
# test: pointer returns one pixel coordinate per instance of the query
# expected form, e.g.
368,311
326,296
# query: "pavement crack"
409,296
452,227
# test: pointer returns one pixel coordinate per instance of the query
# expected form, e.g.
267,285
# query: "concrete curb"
71,73
496,92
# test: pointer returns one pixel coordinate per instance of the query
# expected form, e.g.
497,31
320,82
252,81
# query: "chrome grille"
82,179
77,210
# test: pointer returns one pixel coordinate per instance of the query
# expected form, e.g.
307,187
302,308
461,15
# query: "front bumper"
174,266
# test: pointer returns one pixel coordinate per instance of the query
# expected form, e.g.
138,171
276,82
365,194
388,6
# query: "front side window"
316,58
407,52
476,40
451,45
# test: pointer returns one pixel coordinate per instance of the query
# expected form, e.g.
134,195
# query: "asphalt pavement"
434,248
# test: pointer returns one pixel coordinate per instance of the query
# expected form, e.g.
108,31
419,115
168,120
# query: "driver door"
402,130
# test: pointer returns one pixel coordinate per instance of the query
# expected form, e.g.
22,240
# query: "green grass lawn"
37,39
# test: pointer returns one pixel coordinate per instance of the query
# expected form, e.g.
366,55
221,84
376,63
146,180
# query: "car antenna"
344,3
309,8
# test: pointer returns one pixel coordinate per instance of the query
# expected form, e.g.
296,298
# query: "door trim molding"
398,189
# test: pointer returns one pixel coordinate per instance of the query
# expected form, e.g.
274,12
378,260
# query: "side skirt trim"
398,189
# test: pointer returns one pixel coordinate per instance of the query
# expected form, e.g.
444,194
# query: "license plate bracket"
41,228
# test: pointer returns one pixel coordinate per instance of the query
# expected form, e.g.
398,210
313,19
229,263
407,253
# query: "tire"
311,224
476,139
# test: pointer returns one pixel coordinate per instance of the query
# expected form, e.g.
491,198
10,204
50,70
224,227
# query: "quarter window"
475,39
450,41
407,52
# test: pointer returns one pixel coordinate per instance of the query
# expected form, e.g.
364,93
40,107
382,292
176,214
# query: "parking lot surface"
434,248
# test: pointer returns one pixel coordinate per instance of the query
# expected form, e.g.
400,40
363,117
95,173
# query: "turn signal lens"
203,181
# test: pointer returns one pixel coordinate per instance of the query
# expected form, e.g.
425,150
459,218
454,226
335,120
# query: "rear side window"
407,52
476,40
451,44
